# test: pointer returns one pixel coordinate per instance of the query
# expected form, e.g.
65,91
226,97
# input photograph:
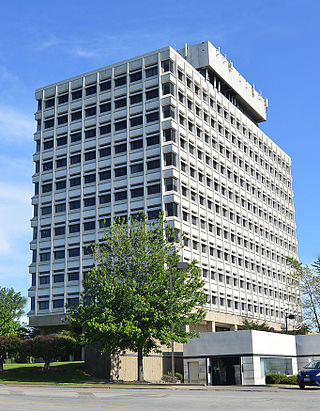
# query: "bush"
179,376
281,379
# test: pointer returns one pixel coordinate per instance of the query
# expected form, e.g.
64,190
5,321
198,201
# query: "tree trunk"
140,365
46,365
1,364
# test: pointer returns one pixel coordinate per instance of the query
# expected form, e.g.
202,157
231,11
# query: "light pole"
291,317
181,265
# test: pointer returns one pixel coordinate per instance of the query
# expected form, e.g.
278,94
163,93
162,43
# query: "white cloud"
15,125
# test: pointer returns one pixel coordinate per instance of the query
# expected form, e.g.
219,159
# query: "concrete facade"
172,131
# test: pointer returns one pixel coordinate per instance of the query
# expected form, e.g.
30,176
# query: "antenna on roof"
185,50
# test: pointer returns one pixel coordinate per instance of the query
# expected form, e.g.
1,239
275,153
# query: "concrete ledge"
50,320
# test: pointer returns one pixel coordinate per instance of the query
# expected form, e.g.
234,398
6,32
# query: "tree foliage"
48,347
255,325
309,279
11,309
9,345
126,302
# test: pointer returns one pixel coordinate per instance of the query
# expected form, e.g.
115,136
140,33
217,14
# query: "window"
106,85
120,195
75,159
49,103
90,155
60,230
75,137
150,94
170,159
152,71
136,168
105,152
89,202
63,99
91,90
167,65
74,205
105,198
62,162
45,256
171,209
137,192
74,228
43,305
46,233
152,117
73,276
105,223
135,76
169,134
121,171
49,123
120,81
120,148
90,225
47,166
135,121
59,255
134,145
120,125
48,144
170,184
76,94
168,111
62,141
90,133
58,303
120,103
105,175
105,129
77,115
90,178
75,181
73,302
152,164
153,214
154,189
58,278
151,141
46,188
60,185
136,98
104,108
167,88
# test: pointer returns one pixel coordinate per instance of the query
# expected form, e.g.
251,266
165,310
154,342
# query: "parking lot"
183,398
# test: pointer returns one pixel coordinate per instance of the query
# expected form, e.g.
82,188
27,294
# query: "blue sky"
274,44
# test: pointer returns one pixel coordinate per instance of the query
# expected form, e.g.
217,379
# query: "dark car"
309,375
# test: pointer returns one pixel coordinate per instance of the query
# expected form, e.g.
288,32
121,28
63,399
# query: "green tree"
48,347
126,302
309,279
11,309
9,345
255,325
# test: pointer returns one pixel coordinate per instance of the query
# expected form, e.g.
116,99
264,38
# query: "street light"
291,317
181,265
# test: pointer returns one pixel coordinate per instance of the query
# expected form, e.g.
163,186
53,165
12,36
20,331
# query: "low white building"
246,357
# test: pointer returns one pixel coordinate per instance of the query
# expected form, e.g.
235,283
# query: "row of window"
104,85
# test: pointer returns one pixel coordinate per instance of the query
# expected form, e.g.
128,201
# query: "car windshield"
313,365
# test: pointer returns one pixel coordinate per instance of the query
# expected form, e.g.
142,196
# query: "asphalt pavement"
40,398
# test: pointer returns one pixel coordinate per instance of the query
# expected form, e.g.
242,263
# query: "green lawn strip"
60,373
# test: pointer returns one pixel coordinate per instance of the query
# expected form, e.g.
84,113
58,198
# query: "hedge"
281,379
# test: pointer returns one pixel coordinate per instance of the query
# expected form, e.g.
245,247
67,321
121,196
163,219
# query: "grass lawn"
59,373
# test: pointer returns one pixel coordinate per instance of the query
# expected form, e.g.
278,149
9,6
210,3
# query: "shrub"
281,379
179,376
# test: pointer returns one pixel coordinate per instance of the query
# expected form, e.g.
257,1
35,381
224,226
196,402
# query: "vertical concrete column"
211,326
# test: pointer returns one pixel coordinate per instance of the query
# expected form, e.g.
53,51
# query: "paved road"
13,398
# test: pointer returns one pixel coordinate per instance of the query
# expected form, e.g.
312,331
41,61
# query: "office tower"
175,131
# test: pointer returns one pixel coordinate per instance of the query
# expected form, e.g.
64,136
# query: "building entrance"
224,371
